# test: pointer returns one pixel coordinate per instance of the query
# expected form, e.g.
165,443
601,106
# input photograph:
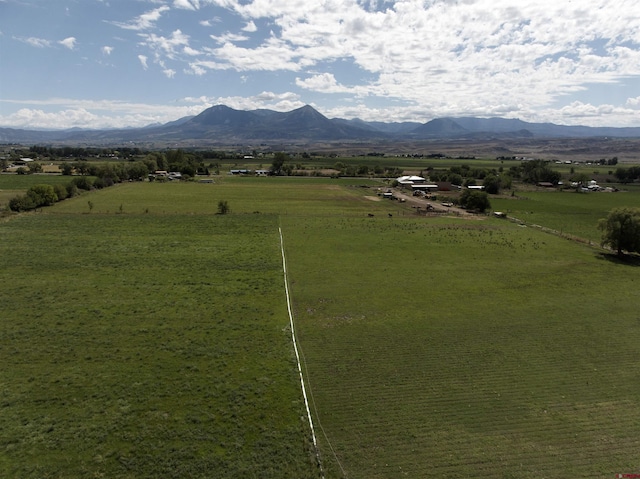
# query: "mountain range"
223,125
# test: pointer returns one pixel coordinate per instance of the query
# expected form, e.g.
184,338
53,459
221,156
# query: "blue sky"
122,63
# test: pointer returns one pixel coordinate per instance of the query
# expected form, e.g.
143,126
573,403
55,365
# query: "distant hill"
227,125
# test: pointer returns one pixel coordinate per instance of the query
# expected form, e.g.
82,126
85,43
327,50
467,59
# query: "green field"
148,337
138,346
12,185
568,212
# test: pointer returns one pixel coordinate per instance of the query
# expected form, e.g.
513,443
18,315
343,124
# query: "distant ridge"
223,124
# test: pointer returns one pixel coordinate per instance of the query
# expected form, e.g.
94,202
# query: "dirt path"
423,203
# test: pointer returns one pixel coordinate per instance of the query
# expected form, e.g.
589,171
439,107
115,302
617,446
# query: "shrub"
475,200
42,195
72,190
61,191
83,183
21,203
223,207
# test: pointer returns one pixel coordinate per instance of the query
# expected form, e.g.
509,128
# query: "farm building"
424,187
23,161
408,181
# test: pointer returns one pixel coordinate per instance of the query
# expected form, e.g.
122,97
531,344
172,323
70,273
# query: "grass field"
571,213
464,349
148,338
139,346
12,185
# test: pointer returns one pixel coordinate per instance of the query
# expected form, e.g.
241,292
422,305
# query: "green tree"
67,169
277,165
61,191
475,200
42,195
35,167
491,184
455,179
223,207
621,230
21,203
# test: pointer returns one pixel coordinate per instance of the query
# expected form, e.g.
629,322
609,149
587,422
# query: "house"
593,186
23,161
239,172
408,181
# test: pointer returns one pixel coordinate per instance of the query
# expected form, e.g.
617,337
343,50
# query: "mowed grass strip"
465,348
139,346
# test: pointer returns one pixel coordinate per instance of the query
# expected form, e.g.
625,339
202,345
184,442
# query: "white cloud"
62,113
324,82
269,100
190,51
634,102
143,61
210,22
228,38
250,27
168,46
35,42
145,21
440,54
69,42
186,4
401,59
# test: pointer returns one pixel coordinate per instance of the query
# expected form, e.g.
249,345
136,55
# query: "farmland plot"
452,348
432,346
138,346
571,213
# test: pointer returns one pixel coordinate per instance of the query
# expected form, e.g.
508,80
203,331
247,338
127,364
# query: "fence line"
295,348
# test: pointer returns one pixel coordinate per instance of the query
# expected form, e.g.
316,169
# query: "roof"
409,179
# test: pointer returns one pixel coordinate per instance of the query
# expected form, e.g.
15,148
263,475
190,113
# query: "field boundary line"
295,348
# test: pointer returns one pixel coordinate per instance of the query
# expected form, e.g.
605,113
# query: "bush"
83,183
475,200
22,203
42,195
72,190
223,207
61,191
